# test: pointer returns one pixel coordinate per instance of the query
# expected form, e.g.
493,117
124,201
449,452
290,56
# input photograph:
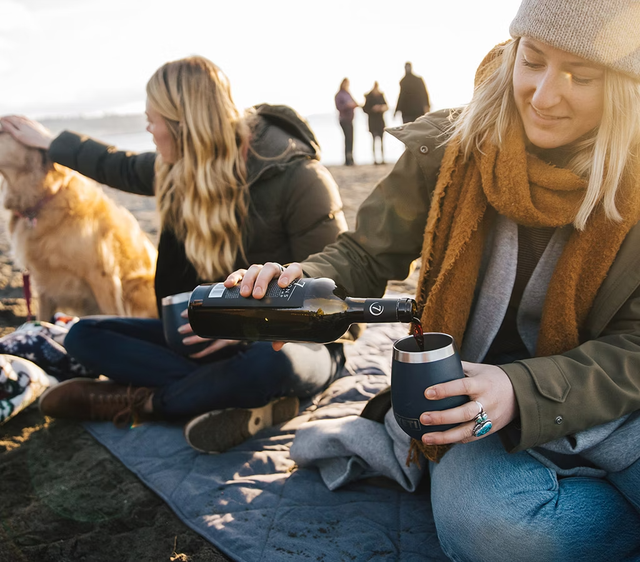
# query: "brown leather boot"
90,400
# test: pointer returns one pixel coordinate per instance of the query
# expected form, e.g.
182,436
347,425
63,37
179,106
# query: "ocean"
127,132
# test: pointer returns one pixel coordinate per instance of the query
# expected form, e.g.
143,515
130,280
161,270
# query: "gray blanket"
256,505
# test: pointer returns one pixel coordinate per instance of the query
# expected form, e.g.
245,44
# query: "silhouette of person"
413,100
375,105
345,104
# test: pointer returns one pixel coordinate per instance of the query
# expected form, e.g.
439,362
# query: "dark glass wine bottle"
308,310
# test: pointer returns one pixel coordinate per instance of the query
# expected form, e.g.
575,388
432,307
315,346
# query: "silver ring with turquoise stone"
483,423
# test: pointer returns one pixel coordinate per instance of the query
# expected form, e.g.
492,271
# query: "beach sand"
64,496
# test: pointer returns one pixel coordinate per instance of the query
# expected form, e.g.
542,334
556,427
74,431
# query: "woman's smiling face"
559,96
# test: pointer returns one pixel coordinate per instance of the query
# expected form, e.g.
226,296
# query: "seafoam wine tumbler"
413,371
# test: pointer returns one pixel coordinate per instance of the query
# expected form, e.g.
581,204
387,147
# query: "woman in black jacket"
374,106
231,189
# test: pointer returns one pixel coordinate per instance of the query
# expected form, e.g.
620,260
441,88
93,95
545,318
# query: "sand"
64,496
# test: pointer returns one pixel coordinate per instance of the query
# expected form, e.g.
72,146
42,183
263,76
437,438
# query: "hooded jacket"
295,207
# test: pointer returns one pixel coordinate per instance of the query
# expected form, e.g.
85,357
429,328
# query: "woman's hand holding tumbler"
488,385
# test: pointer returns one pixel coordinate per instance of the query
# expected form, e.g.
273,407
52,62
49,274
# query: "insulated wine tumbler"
172,308
413,371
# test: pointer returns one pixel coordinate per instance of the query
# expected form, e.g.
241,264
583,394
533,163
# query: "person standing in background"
413,100
375,105
345,104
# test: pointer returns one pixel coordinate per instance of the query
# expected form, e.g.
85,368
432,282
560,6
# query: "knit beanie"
606,32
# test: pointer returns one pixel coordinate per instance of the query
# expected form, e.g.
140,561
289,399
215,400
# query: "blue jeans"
490,505
134,351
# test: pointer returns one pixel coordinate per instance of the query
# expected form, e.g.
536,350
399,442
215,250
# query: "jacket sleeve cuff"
78,152
64,149
313,270
529,422
541,390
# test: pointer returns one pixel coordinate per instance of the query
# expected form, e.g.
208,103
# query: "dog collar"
31,214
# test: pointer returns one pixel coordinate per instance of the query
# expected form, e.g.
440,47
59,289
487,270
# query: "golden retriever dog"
85,254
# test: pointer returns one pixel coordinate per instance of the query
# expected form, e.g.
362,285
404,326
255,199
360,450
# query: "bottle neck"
381,310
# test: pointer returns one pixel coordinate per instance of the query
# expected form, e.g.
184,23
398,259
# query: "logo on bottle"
376,308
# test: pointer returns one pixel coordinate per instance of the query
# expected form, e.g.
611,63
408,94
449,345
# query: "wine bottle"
308,310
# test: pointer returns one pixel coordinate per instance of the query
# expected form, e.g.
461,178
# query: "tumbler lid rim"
428,356
176,299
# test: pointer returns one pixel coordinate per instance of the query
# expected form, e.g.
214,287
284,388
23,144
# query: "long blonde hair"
203,195
602,158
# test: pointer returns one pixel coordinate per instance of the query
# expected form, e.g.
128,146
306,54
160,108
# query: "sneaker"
217,431
92,400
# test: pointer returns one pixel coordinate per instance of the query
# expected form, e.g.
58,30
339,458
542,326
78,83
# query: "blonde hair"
203,195
602,158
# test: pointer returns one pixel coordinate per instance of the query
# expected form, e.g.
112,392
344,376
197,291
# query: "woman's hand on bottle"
26,131
487,384
192,339
254,281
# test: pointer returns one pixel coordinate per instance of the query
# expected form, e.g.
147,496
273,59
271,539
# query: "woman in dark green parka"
231,189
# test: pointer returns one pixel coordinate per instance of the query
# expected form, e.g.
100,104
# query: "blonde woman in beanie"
524,207
231,187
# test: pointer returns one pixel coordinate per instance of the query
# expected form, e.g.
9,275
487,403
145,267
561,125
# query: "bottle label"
291,296
380,310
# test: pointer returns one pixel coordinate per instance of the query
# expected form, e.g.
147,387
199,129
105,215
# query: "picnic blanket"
255,504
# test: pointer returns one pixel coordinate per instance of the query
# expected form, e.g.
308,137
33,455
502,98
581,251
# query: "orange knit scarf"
532,193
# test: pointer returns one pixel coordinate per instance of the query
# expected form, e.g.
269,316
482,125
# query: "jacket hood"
279,137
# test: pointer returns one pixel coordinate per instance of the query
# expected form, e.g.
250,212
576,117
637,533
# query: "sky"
94,57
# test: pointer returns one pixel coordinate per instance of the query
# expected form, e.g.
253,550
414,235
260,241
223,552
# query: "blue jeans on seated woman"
490,505
250,375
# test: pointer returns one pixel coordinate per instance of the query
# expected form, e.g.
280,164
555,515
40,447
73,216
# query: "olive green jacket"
597,382
295,207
